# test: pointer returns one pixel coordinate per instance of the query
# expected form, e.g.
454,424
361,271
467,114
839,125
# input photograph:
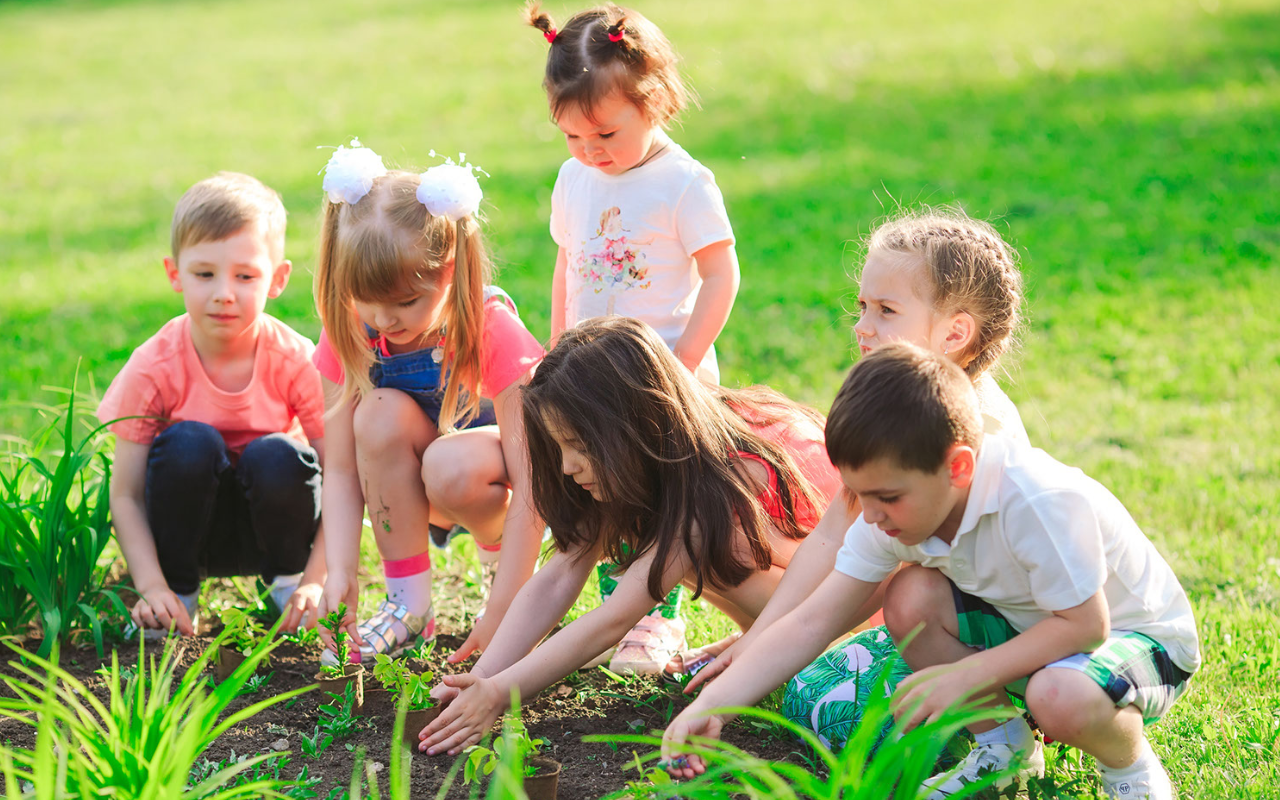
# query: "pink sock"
409,582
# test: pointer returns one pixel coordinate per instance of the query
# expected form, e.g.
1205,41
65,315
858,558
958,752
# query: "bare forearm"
343,505
1043,643
710,313
539,605
316,569
137,544
566,651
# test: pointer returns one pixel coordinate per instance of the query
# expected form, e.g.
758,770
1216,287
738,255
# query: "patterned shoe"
381,633
649,646
982,760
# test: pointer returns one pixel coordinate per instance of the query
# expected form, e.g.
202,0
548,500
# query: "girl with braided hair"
641,225
949,283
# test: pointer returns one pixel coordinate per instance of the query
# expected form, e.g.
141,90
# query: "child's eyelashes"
608,135
409,302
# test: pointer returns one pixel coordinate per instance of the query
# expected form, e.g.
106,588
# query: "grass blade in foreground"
143,741
860,771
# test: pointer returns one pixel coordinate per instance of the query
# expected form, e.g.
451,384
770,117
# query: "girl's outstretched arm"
718,268
481,700
521,530
342,502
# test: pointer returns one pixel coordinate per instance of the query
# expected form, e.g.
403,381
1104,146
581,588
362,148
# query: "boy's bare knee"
1067,704
914,595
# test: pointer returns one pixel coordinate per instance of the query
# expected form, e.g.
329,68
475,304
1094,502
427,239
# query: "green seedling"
255,684
314,745
242,630
304,637
339,717
396,677
515,744
332,622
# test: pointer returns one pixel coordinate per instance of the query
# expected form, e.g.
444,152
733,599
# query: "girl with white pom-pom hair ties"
421,361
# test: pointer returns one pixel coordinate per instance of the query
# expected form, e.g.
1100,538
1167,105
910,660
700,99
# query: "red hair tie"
617,37
550,35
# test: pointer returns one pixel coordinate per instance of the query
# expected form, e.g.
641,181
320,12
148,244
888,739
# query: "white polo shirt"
1037,537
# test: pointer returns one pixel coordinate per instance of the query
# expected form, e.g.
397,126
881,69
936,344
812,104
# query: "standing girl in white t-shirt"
640,224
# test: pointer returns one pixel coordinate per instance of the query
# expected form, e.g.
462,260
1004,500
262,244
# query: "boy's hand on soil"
927,693
466,719
302,608
161,609
677,763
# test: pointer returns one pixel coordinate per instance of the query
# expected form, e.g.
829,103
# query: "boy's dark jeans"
212,518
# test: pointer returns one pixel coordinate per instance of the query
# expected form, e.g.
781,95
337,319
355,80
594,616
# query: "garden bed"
589,702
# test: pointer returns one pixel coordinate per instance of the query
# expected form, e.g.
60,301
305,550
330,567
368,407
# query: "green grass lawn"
1127,149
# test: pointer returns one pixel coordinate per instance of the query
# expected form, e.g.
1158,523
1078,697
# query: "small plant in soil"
314,745
255,684
395,676
515,743
332,622
242,629
303,637
339,717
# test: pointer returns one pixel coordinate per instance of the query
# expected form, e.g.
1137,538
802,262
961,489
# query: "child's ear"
280,278
962,460
961,332
171,272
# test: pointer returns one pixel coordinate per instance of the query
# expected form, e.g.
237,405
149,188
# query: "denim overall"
417,374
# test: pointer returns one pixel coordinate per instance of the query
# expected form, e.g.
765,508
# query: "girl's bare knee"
384,420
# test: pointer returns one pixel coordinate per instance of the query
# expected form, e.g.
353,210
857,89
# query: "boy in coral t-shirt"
217,471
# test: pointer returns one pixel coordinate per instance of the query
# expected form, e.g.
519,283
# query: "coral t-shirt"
805,442
165,382
507,350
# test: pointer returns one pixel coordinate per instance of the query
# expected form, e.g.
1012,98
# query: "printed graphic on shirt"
610,260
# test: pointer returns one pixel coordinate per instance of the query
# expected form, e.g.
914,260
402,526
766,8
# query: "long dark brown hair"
664,448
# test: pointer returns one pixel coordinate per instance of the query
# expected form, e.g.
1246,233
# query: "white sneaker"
1152,784
282,589
984,759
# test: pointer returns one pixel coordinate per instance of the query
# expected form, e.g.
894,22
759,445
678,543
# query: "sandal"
380,635
685,664
649,646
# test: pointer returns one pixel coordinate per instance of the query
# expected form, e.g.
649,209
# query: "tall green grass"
54,526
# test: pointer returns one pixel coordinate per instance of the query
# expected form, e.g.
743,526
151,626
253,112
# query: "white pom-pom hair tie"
350,173
451,191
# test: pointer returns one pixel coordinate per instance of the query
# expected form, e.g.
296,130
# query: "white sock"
1147,761
1015,732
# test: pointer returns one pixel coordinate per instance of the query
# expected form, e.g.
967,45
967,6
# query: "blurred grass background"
1128,150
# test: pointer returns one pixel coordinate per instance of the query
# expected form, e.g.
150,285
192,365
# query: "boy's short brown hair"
223,205
904,403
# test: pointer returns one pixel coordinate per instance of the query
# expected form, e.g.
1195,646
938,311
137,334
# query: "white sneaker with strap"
982,760
1153,784
649,646
381,633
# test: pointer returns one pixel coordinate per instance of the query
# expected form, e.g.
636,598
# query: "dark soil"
587,703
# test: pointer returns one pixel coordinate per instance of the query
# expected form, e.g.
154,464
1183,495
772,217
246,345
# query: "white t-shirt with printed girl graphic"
629,240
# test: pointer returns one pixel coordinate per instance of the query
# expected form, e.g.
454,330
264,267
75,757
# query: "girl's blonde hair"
970,269
610,48
381,247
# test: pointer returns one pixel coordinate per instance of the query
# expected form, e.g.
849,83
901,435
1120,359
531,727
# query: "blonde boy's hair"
224,205
387,245
904,404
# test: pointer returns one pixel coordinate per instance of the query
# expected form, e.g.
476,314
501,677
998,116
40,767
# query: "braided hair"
970,269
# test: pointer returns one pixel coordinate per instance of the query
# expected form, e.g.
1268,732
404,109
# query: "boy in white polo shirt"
1025,574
